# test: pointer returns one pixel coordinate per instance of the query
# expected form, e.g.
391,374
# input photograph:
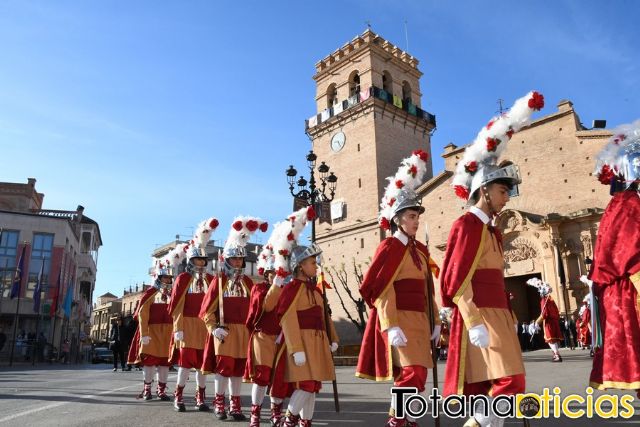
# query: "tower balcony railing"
375,92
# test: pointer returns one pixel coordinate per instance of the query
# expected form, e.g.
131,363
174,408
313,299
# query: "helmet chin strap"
487,199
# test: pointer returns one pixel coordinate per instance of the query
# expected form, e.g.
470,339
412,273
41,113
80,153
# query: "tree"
355,308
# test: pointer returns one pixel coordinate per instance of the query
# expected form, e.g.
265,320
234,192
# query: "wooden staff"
327,320
432,320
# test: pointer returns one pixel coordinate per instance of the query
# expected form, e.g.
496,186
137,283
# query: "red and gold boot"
254,421
200,397
218,407
235,409
276,414
161,392
305,423
178,403
289,420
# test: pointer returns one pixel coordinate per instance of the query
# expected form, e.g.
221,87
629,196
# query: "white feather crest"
204,231
284,238
491,140
242,229
408,177
622,136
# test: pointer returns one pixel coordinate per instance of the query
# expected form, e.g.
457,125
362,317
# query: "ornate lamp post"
307,192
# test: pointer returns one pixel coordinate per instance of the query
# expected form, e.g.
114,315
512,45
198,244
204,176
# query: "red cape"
134,348
616,265
374,360
464,249
551,316
256,304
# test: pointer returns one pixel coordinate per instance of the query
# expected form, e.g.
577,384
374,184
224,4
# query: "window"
387,82
406,92
354,83
8,253
332,95
40,253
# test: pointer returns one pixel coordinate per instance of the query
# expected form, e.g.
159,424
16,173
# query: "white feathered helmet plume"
266,257
198,244
400,192
174,257
241,231
284,239
479,163
543,288
619,160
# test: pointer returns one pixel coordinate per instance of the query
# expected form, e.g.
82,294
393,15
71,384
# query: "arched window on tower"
332,95
406,91
354,83
387,82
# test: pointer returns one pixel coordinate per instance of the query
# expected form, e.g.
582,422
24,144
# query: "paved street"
94,395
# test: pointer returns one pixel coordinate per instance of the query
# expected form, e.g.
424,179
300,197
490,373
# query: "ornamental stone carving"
519,249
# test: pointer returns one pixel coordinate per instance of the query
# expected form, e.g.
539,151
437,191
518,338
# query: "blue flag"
17,279
67,301
38,290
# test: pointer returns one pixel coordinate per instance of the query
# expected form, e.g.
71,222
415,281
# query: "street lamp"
308,192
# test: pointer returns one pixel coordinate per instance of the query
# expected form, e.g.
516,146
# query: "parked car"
102,355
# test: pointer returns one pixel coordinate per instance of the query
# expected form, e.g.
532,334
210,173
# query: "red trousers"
228,366
410,376
510,385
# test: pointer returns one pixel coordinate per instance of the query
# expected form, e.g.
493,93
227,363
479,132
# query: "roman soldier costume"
584,325
224,312
549,317
395,345
189,331
306,353
484,352
264,328
150,344
615,271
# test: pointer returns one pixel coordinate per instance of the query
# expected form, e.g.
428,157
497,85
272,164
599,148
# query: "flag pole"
38,313
17,315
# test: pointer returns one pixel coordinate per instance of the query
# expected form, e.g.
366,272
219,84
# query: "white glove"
145,340
333,347
278,281
479,336
435,335
299,358
220,333
586,281
396,337
178,336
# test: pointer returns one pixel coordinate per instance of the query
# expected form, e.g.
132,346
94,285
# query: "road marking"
55,405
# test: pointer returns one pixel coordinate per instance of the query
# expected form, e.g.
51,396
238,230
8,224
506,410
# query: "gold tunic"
314,343
264,345
503,357
415,325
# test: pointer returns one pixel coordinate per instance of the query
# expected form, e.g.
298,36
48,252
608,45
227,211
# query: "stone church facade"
368,119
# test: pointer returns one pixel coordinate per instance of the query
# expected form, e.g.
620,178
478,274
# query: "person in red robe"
189,331
399,291
615,271
549,317
150,344
262,323
584,325
484,351
224,312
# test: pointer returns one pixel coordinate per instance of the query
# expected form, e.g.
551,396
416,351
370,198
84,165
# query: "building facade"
61,244
107,306
368,100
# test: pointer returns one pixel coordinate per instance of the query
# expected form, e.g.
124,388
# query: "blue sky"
156,115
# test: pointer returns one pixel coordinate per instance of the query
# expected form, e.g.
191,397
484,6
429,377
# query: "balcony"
372,92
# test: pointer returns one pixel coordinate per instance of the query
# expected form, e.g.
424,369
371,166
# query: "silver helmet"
406,199
629,156
300,253
196,252
164,271
488,173
234,252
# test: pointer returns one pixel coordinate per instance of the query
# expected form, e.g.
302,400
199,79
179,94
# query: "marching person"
308,346
549,317
264,327
584,331
404,319
224,312
484,353
189,331
115,342
615,271
150,344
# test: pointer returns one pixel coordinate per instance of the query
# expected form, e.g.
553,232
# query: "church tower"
368,119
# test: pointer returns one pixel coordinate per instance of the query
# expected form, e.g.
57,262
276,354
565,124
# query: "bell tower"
368,119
